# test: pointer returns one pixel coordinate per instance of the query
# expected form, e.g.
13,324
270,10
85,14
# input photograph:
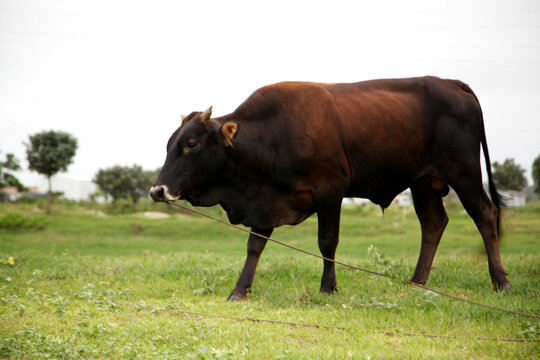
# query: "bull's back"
375,136
394,131
385,127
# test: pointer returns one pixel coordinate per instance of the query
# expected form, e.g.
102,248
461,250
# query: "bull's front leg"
255,247
328,241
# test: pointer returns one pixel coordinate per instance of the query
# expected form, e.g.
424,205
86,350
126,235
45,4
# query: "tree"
122,182
509,175
536,174
7,178
50,152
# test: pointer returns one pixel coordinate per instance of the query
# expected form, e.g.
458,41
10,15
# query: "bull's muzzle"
160,193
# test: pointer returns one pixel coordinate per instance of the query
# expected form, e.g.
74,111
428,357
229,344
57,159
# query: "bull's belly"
382,199
381,193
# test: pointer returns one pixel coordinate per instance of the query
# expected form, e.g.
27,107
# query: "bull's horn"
205,116
183,117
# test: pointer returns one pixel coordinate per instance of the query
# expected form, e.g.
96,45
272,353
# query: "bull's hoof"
502,285
328,284
328,291
417,281
237,296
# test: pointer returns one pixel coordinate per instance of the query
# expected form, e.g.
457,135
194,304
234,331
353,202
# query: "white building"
354,201
402,200
72,189
513,198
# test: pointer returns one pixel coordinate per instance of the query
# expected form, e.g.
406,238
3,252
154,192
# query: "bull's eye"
190,145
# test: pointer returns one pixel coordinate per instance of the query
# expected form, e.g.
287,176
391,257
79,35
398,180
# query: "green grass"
86,286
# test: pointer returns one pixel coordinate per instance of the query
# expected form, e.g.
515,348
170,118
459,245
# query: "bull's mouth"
161,193
188,198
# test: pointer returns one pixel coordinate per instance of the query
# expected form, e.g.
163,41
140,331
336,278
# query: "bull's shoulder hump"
271,98
290,86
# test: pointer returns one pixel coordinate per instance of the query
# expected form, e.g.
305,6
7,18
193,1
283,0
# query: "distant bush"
16,221
121,206
25,200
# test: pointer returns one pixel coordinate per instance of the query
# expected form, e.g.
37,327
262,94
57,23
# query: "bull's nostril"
157,193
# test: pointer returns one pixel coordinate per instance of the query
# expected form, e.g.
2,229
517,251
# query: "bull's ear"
205,116
229,131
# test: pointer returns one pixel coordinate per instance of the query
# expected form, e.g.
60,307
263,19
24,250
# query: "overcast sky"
118,74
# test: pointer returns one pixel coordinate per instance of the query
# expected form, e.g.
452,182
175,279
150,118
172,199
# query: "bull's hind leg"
433,219
255,247
484,213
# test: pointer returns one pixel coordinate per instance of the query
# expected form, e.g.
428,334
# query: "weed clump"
18,221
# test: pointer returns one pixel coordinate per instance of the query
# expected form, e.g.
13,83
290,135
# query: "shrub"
16,221
26,200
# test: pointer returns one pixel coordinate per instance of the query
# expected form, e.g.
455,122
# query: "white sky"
118,74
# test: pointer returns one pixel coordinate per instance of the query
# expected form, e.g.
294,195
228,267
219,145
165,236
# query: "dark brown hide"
293,149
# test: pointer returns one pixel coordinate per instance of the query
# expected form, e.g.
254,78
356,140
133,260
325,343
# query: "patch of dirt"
155,215
96,213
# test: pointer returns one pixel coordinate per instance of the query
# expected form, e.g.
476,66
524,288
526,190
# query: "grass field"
78,285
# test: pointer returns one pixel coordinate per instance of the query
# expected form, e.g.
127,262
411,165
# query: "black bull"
293,149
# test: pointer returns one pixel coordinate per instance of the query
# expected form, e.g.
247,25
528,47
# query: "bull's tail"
496,198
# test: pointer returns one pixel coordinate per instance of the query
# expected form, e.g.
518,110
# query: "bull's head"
196,156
